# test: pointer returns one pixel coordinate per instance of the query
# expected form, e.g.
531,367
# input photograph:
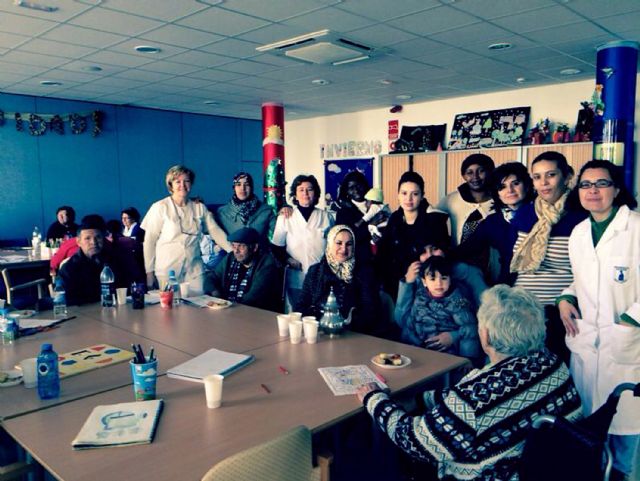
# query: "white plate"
15,377
217,303
405,362
21,314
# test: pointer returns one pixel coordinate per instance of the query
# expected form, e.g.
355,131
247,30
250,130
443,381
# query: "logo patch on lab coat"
620,274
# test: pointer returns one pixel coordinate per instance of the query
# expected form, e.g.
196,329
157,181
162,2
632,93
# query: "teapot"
332,322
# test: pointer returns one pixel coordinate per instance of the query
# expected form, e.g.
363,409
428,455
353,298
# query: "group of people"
571,255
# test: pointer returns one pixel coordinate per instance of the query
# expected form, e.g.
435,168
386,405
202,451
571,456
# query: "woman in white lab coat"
300,238
601,308
173,229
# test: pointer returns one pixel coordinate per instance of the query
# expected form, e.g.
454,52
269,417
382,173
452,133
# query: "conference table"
21,257
191,438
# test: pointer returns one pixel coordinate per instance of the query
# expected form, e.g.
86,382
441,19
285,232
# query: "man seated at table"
80,275
247,275
476,429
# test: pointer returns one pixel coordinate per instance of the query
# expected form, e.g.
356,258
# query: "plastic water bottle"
173,285
107,291
59,301
48,374
36,238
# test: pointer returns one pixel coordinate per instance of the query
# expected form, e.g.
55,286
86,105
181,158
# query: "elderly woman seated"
476,429
352,283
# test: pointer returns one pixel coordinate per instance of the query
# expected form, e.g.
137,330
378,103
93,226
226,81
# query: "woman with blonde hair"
173,229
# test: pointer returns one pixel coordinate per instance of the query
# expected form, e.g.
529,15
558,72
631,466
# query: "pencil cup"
295,331
283,325
213,390
310,327
166,299
144,379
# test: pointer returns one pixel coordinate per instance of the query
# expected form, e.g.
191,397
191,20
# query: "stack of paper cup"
295,331
283,324
310,327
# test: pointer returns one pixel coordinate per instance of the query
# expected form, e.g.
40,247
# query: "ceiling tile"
143,75
66,10
214,75
12,23
483,33
331,18
574,46
382,10
60,49
115,22
557,62
380,36
621,22
115,58
448,56
11,40
248,67
164,66
67,75
81,66
83,36
537,19
35,59
222,22
128,47
9,78
272,33
186,82
574,31
201,59
417,47
115,82
433,21
273,11
165,10
182,36
596,9
501,8
233,47
276,60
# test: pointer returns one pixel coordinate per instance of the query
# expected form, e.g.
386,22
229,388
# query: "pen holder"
144,379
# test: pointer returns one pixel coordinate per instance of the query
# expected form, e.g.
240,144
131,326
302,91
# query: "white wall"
560,103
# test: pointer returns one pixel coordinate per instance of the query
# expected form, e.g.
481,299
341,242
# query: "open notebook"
213,361
119,425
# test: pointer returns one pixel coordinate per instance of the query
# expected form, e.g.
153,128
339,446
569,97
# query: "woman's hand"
286,211
294,264
151,280
569,313
379,218
412,272
440,342
362,391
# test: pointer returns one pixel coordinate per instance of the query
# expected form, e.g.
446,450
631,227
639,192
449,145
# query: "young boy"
432,312
374,200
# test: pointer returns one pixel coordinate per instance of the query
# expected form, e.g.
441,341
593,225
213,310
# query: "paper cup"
28,368
310,326
184,290
144,379
121,295
213,390
295,331
283,325
295,316
166,299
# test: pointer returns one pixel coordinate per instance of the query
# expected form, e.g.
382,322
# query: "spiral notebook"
119,425
213,361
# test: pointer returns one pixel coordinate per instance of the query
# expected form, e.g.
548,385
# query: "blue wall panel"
125,165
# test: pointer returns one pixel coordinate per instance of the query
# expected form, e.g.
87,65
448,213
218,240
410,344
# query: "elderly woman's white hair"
514,320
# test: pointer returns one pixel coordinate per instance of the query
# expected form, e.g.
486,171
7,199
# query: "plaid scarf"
244,208
239,277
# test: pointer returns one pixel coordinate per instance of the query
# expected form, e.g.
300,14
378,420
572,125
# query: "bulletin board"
492,128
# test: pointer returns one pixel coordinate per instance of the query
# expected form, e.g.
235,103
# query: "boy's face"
437,284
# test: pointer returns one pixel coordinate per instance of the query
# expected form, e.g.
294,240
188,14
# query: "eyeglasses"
180,222
598,184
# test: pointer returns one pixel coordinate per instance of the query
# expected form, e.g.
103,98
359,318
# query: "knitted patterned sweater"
475,430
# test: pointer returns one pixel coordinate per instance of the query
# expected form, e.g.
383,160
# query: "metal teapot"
332,322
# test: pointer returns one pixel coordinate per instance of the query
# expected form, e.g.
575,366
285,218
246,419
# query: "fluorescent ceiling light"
351,60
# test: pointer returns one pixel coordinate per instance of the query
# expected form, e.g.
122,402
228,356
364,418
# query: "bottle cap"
47,347
172,273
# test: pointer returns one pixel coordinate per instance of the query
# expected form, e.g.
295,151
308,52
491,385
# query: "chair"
12,288
285,458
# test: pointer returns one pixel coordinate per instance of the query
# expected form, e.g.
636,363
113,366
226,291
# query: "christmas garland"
1,118
18,122
38,123
78,123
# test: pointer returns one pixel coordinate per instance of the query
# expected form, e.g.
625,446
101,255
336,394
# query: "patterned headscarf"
244,208
342,269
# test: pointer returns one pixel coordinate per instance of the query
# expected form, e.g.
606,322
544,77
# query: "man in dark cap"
248,276
80,275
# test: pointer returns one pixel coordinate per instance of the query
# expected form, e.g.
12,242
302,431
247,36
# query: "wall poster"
335,170
492,128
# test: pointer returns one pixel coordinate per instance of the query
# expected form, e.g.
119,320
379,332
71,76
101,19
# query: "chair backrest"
285,458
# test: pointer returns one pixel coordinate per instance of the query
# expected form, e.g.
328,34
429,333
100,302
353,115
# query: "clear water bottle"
36,238
48,374
173,285
59,301
107,290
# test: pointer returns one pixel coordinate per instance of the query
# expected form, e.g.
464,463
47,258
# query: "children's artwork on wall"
335,170
492,128
420,138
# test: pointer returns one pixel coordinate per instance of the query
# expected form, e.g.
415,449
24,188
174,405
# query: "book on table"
345,380
213,361
121,424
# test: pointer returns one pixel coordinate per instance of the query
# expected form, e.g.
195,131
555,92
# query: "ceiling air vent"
323,47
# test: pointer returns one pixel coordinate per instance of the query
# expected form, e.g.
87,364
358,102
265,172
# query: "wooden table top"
72,335
194,330
19,257
191,438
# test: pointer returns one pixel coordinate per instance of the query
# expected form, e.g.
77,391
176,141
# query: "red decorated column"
273,154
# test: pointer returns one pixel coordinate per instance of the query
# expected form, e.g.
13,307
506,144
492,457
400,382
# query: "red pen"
380,378
283,370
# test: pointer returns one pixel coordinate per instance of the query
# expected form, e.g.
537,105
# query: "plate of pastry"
217,303
10,377
23,314
391,360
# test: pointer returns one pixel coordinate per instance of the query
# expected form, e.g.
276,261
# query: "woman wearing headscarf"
541,252
245,210
173,229
601,308
351,280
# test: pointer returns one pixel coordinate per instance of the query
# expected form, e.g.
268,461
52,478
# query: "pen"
380,378
141,353
151,354
265,388
283,370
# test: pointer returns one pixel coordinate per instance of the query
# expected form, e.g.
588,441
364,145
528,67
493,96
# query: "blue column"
613,131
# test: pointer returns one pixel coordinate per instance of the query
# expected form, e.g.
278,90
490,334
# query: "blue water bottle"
173,285
48,374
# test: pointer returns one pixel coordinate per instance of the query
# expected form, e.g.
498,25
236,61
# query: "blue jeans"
625,451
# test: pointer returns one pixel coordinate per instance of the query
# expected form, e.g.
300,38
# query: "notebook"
212,361
119,425
344,380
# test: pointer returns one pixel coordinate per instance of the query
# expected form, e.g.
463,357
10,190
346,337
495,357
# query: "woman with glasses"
173,229
600,310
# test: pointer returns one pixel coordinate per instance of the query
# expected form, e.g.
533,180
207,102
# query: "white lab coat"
607,284
305,241
167,248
